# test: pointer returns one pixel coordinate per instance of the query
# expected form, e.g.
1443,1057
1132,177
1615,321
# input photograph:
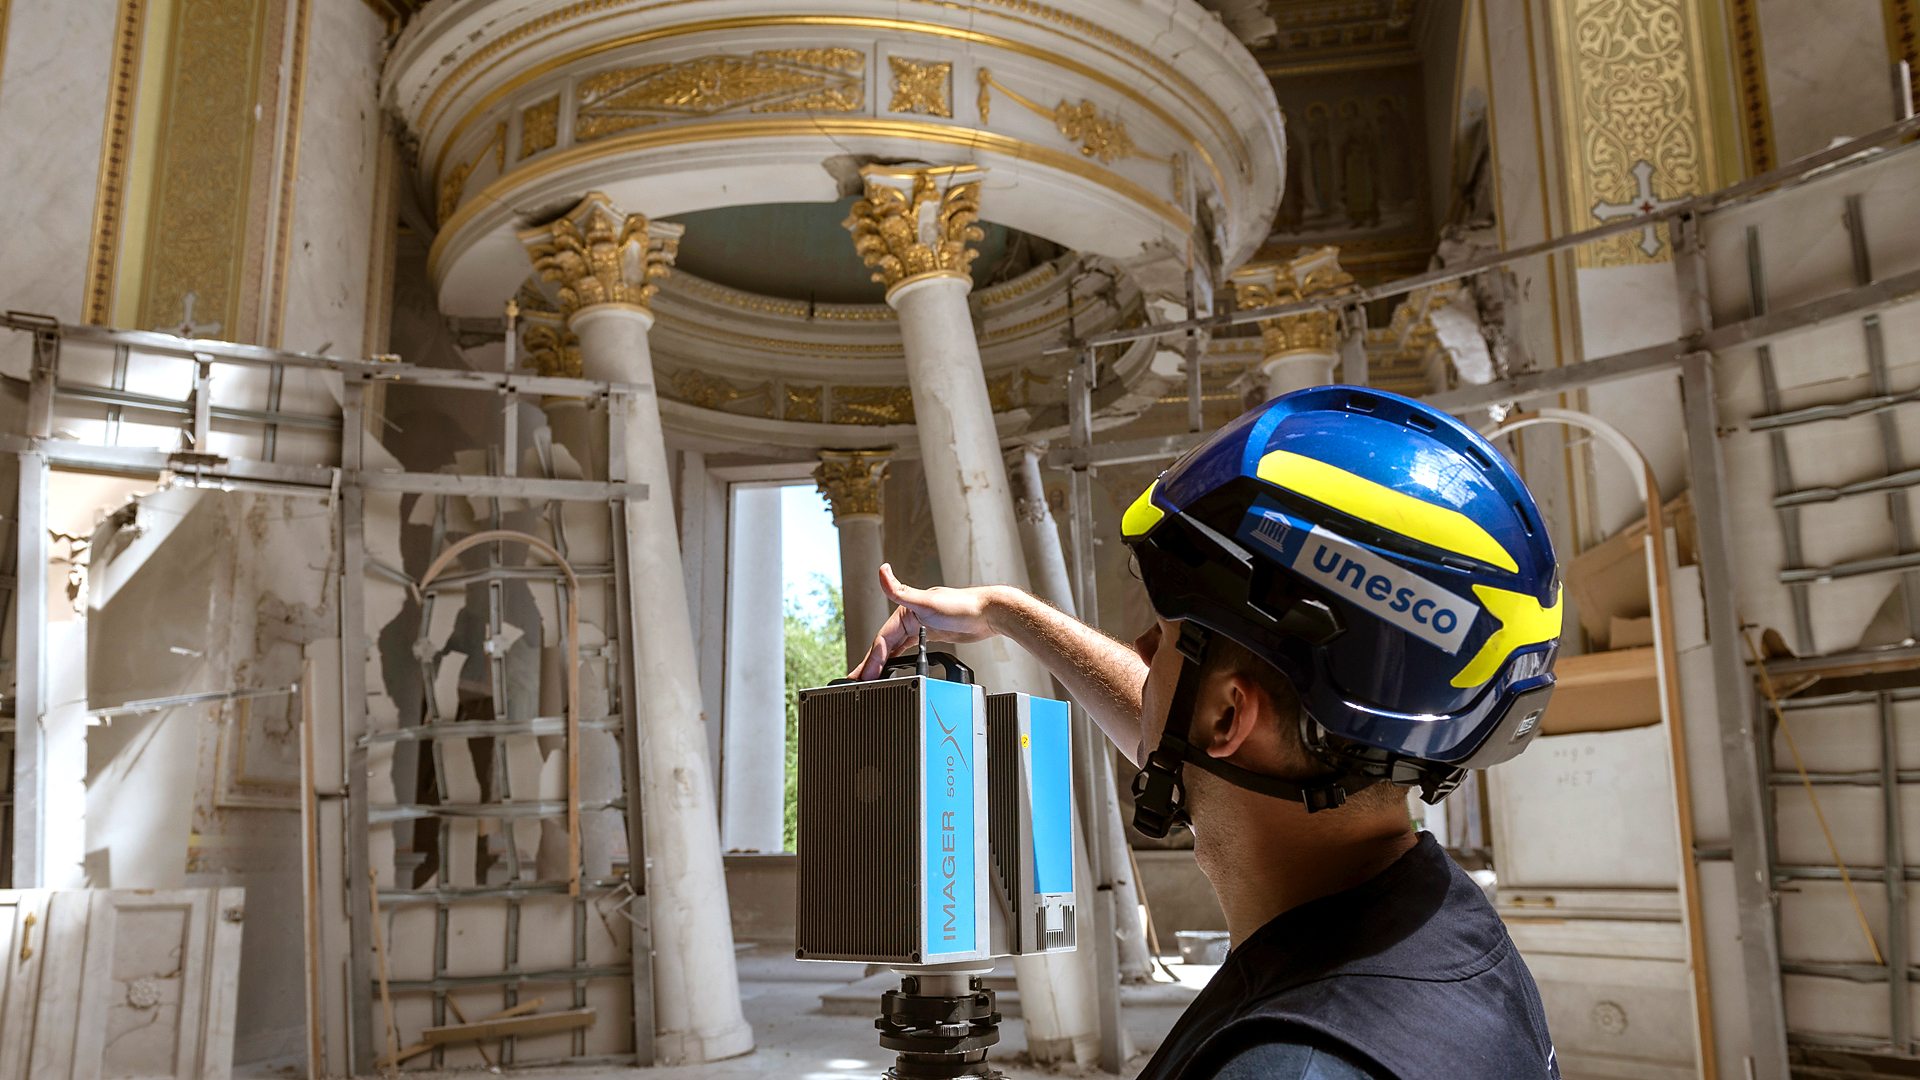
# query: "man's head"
1246,712
1358,557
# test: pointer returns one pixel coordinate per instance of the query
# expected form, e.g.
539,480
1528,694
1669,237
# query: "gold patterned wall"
197,240
1635,117
1903,38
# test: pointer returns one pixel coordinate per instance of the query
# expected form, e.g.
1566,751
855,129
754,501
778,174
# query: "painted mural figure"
1396,153
1359,168
1320,158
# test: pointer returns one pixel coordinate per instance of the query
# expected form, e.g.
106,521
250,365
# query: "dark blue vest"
1411,971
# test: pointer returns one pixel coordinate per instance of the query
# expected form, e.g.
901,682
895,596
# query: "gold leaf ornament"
920,230
597,255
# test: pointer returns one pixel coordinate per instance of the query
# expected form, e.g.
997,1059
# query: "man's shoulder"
1291,1054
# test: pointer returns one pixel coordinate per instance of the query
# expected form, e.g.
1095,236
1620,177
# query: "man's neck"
1276,857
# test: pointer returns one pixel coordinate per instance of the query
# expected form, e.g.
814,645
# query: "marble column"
914,227
1047,563
753,762
1299,350
605,264
850,481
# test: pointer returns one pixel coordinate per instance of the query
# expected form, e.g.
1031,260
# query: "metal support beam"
30,675
1853,303
1733,690
638,909
1093,765
1895,877
353,724
1785,178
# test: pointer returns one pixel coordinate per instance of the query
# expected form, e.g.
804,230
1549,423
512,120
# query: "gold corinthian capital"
917,223
850,481
1309,275
598,255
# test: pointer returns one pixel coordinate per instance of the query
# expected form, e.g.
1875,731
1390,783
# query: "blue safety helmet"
1383,557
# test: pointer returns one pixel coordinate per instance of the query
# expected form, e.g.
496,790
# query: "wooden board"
507,1027
1604,691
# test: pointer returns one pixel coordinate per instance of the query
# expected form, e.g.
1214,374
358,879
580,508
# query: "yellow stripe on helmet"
1143,515
1523,622
1395,511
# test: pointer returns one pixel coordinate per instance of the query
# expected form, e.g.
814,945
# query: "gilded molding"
921,86
110,191
1102,136
539,127
1222,126
850,481
1309,275
872,405
289,174
913,222
1750,79
598,255
453,186
1027,13
197,249
699,389
1633,79
500,191
767,81
1902,18
803,403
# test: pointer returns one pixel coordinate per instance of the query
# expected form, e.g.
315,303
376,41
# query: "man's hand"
1102,674
948,615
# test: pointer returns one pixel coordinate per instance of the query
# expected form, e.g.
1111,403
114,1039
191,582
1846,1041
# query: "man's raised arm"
1102,674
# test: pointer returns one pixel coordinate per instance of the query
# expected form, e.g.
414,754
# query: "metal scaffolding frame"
1693,357
346,485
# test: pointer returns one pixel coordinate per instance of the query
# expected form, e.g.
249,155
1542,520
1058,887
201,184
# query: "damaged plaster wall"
199,591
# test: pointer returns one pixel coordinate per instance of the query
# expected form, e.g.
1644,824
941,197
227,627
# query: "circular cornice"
1093,134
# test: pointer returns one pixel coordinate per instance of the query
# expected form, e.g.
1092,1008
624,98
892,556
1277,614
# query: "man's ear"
1232,708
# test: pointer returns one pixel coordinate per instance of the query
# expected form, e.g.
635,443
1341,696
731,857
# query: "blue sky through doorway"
809,549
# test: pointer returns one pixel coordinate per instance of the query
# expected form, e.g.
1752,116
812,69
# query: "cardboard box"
1609,579
1630,633
1604,691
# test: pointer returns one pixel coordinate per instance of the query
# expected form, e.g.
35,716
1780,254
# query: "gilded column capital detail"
915,223
850,481
598,255
552,349
1312,274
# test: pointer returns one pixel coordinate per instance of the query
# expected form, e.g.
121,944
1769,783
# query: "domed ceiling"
801,251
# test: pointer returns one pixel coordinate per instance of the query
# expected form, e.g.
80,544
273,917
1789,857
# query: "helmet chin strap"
1159,789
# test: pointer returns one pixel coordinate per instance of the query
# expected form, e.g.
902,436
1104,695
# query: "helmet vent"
1422,422
1526,519
1479,458
1359,403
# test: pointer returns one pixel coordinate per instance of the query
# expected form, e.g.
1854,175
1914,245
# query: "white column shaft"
979,541
862,601
696,989
753,760
1297,371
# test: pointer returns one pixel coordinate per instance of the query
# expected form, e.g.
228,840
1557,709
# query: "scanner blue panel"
948,764
1052,765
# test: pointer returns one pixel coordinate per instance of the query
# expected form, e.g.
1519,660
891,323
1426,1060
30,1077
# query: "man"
1354,592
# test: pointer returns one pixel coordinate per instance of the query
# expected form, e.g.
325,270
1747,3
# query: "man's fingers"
893,634
891,585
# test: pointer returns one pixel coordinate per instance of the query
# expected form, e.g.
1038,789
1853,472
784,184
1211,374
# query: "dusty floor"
796,1039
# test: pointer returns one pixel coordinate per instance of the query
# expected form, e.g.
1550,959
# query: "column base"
1292,371
696,1048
